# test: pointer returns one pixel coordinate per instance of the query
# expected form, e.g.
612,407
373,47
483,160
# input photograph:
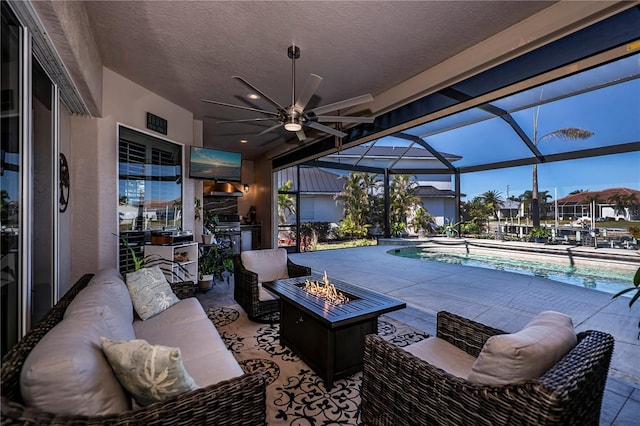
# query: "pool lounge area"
501,299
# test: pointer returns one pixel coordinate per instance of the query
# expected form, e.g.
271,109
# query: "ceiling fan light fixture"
292,125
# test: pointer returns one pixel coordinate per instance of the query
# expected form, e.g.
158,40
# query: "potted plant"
209,223
540,234
206,267
450,229
214,262
167,266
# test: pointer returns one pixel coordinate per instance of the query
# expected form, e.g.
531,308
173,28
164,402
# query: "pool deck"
500,299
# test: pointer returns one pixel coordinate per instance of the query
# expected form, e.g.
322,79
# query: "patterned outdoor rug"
295,394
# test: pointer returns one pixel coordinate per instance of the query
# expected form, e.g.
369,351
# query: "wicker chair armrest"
184,289
239,401
242,273
297,270
578,380
465,334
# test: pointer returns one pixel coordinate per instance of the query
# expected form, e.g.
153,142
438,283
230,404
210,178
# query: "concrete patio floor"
500,299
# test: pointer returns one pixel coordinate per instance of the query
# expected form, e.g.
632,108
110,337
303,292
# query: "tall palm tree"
493,198
526,198
567,134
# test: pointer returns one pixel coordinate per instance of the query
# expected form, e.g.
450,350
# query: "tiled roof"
429,191
602,195
314,180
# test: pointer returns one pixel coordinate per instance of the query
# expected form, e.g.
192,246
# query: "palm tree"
286,203
578,191
358,199
568,134
493,198
402,194
622,201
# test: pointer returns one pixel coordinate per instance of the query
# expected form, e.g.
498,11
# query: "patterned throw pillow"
150,373
150,292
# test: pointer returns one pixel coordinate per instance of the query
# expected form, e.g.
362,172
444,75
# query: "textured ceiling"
189,50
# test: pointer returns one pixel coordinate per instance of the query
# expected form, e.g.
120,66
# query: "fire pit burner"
326,291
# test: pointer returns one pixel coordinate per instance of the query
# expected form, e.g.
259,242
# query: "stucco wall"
94,148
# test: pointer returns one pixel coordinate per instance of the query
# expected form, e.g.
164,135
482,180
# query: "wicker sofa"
399,388
238,400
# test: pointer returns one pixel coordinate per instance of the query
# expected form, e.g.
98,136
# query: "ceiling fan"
294,118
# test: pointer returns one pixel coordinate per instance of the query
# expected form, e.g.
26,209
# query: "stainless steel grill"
227,231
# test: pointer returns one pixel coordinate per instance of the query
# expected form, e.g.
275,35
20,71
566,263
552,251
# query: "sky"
611,112
593,174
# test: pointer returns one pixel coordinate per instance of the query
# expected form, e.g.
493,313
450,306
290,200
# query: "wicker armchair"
246,291
231,402
401,389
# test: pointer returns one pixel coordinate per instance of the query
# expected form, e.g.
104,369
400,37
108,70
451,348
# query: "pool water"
606,280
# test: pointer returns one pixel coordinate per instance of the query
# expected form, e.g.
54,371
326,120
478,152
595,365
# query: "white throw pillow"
527,354
150,292
150,373
269,264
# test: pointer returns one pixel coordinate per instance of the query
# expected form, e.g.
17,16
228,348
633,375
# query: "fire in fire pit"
326,291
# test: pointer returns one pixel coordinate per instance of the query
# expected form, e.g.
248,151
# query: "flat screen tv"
213,164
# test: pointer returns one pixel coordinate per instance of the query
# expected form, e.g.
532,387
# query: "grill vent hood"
222,190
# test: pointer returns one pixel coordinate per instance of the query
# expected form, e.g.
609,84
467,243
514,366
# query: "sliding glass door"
11,165
29,191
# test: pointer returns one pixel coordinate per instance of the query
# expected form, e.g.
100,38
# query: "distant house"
582,204
318,188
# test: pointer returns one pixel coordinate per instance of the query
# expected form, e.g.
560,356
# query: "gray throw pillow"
150,292
150,373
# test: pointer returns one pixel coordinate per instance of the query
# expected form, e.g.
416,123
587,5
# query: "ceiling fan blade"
344,119
261,111
342,104
265,96
309,89
247,120
326,129
301,135
270,129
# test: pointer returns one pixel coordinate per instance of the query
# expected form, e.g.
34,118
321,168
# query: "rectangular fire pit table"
329,338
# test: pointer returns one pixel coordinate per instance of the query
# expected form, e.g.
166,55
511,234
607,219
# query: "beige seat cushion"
442,354
67,373
185,325
269,264
265,295
527,354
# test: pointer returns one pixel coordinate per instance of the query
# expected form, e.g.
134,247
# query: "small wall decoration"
156,123
64,183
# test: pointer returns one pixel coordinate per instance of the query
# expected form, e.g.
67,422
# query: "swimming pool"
594,276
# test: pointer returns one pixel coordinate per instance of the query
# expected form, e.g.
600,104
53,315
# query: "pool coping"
627,256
